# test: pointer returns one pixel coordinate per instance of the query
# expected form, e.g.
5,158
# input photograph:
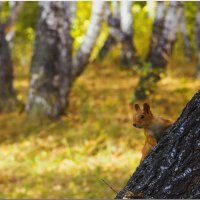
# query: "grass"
94,141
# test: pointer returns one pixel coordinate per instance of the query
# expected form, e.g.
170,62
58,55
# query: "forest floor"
94,141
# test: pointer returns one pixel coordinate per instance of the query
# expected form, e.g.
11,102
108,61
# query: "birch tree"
7,93
120,31
161,51
53,69
51,62
128,49
114,15
82,56
157,27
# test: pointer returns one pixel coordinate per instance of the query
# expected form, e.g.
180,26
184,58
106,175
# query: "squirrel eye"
142,117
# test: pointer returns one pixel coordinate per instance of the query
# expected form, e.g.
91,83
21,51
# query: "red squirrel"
153,126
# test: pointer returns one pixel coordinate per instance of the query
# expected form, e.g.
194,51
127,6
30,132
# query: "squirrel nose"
134,125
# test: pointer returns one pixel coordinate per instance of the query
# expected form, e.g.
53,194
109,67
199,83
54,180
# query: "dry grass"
68,158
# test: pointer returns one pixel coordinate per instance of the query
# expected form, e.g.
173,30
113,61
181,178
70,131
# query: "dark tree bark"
82,56
160,50
8,98
108,15
158,26
108,44
120,31
53,70
128,54
51,66
15,9
7,93
172,169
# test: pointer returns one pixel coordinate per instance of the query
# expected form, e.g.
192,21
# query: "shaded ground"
68,158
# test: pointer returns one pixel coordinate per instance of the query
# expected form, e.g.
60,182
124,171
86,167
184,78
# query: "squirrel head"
142,118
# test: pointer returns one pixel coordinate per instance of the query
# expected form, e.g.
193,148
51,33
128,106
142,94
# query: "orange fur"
153,126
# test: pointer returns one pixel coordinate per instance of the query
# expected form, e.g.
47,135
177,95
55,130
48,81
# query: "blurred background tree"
159,41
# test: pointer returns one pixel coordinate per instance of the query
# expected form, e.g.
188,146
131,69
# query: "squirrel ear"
137,107
146,108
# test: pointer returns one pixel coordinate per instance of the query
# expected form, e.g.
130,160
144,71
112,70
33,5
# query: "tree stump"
172,169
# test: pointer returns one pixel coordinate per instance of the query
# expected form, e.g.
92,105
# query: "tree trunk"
110,41
7,94
108,44
157,26
160,51
51,66
15,8
128,53
120,31
52,70
172,169
8,98
83,54
197,74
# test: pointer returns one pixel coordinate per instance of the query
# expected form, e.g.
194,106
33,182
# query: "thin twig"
109,186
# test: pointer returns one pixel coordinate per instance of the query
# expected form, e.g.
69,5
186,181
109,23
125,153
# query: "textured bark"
15,8
51,66
108,15
120,31
157,26
128,49
186,40
83,54
108,44
198,39
6,72
72,10
7,94
160,51
172,169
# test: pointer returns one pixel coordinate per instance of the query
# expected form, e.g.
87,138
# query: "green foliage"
142,26
5,11
24,34
80,23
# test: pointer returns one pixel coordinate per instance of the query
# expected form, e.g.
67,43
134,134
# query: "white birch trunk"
158,25
116,9
120,23
50,81
159,53
150,8
128,53
110,41
83,54
15,8
126,16
172,22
